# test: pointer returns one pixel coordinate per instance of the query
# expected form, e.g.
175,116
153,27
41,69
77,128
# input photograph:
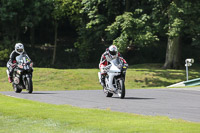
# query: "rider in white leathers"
110,54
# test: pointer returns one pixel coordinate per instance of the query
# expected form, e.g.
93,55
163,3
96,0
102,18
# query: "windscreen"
117,61
22,59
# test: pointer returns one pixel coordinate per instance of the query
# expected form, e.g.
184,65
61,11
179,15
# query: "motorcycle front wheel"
121,89
17,90
29,85
106,92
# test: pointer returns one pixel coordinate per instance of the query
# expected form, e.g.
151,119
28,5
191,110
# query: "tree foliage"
69,8
96,24
129,29
96,16
17,16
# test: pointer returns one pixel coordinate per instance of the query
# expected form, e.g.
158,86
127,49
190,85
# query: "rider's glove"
13,65
126,65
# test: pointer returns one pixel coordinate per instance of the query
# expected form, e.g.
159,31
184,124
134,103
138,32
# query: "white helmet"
113,51
19,48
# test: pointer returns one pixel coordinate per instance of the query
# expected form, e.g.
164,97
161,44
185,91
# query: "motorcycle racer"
110,54
19,49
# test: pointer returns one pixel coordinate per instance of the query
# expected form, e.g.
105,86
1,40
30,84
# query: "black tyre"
121,89
29,85
17,90
108,94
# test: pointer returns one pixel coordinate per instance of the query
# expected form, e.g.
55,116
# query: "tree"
131,29
33,13
182,20
9,25
10,18
96,15
19,20
175,26
63,8
175,20
18,15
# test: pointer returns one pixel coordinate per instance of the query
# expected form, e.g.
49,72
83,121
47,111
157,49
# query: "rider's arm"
102,61
119,55
12,57
125,63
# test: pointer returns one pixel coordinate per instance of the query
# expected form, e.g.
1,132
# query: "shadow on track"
37,93
136,98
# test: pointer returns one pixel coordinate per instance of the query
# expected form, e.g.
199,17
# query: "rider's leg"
103,79
9,73
103,73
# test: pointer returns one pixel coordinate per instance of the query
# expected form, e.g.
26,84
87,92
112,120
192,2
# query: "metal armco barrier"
192,82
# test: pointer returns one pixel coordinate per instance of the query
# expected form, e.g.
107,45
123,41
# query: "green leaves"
100,23
10,9
4,54
69,8
175,27
128,29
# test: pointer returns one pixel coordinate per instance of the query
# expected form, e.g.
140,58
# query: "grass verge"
138,76
20,115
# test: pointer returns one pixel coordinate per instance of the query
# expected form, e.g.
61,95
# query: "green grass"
138,76
22,116
19,115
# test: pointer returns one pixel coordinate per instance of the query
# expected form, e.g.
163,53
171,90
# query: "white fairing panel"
114,71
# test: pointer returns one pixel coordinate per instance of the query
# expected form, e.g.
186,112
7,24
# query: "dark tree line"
62,33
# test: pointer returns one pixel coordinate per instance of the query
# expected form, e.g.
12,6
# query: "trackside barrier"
192,82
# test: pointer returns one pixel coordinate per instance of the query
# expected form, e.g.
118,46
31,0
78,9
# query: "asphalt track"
178,103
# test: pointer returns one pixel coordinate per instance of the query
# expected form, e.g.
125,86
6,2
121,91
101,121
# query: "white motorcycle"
115,78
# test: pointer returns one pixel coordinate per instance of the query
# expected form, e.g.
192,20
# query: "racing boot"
10,79
103,80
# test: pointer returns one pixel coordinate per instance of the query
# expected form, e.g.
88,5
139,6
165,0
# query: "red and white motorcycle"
115,78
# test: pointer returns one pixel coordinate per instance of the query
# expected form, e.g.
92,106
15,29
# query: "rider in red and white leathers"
110,54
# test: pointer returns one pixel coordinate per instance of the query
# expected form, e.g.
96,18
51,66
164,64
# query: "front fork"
110,82
25,77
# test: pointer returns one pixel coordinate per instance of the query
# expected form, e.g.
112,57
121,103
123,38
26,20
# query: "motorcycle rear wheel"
121,89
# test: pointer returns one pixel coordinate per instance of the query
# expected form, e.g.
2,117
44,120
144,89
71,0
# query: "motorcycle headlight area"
20,66
19,72
16,80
